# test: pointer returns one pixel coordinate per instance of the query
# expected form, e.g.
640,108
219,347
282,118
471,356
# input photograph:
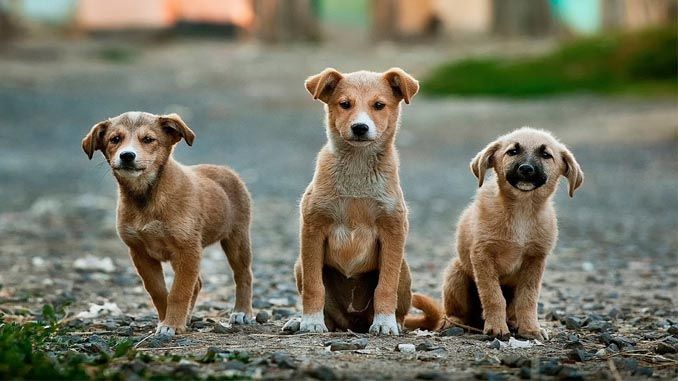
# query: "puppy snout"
526,169
127,157
359,129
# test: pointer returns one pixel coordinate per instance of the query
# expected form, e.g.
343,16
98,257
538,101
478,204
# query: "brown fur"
170,212
353,215
504,237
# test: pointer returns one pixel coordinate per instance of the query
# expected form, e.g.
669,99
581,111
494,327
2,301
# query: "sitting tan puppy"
351,272
504,237
170,212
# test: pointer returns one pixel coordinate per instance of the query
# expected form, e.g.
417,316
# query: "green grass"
44,349
643,63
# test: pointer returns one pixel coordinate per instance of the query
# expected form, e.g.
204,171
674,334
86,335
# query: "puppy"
504,237
170,212
351,271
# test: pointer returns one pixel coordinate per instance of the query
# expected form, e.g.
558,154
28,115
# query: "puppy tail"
432,318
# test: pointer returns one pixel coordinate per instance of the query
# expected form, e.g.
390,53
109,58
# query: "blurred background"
601,74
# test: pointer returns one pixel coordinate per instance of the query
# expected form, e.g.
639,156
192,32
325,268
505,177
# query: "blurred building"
284,20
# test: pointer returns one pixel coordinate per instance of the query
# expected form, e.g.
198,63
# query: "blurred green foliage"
38,350
644,62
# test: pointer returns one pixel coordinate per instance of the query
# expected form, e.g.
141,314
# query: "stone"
322,373
663,348
579,355
345,345
453,331
495,344
426,346
283,360
406,348
573,322
262,317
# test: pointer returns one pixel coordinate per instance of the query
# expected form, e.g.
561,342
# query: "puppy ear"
322,85
572,171
404,85
483,161
175,126
94,140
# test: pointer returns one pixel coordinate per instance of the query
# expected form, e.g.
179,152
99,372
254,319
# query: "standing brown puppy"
504,236
170,212
351,272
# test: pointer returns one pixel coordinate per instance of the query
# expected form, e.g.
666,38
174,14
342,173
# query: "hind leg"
239,254
194,298
457,298
404,294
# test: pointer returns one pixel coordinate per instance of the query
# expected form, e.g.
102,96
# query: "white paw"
165,330
313,323
240,318
384,325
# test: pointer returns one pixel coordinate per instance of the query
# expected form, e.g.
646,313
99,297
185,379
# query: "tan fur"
504,237
353,214
433,314
170,212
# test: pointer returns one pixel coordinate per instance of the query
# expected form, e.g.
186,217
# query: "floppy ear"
94,140
404,85
572,171
321,86
175,126
483,161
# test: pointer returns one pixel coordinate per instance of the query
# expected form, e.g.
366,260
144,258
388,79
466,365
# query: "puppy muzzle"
526,176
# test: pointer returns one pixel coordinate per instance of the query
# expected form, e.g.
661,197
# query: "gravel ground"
610,290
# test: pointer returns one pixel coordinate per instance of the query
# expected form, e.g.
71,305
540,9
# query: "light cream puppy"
504,237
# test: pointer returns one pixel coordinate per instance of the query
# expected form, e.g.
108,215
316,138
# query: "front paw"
313,323
535,333
165,329
240,318
384,324
496,329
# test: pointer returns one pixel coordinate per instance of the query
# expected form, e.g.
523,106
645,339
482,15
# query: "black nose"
127,156
359,129
526,169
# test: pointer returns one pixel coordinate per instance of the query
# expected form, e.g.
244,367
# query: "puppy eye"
147,140
345,105
512,152
379,106
115,139
546,155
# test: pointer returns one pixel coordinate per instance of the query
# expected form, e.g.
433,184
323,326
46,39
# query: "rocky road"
610,289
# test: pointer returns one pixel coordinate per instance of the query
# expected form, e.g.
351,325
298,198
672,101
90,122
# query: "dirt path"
612,278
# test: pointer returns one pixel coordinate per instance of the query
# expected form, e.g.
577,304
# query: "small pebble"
262,317
406,348
322,373
453,331
663,348
579,355
495,344
283,360
430,375
426,346
573,322
345,345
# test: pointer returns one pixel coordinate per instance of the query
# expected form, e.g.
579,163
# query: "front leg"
489,290
312,287
527,296
150,271
186,265
392,233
